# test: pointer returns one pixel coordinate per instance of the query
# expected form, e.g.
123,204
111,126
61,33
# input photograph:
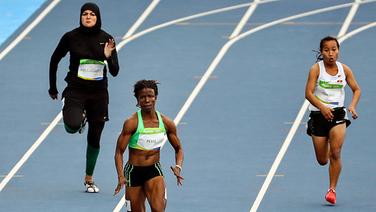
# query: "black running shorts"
318,126
139,175
94,103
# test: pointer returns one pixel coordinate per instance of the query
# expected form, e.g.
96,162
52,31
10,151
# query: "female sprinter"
325,90
145,132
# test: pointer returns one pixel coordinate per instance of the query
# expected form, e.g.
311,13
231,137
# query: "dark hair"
141,84
327,38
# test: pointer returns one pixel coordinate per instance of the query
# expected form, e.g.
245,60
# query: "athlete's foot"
91,187
331,196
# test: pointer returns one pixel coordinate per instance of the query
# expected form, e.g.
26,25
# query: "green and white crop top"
148,138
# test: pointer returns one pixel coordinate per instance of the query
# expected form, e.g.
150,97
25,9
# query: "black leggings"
95,104
73,120
94,133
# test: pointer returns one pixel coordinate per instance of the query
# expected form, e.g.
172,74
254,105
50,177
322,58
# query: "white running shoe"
91,187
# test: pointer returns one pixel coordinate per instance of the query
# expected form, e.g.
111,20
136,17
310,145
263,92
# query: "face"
147,99
88,18
330,51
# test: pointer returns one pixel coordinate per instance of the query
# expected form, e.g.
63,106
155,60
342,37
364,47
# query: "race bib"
152,141
90,69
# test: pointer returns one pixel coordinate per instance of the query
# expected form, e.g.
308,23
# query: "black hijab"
97,27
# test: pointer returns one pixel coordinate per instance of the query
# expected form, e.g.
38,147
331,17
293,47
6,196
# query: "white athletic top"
330,90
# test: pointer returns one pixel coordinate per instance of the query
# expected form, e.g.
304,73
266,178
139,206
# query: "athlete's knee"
335,154
322,159
158,207
137,206
322,162
71,128
71,125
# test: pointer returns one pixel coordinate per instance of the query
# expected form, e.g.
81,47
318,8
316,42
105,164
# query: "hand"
109,47
53,96
353,112
121,182
53,93
176,170
327,113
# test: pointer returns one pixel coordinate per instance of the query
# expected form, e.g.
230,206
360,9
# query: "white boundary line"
51,126
356,31
23,34
163,25
349,18
29,152
244,20
296,124
142,18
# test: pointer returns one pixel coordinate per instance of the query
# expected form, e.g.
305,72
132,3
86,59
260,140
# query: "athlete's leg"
72,114
321,147
93,147
336,140
155,193
136,195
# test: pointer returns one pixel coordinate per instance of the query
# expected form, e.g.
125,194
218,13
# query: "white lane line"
23,34
37,142
264,175
282,20
288,139
48,123
349,18
29,152
141,19
356,31
291,122
244,20
279,157
181,21
15,176
212,67
254,24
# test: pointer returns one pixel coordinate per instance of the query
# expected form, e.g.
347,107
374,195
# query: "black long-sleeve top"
82,45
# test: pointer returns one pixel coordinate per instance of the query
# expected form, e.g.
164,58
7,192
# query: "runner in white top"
327,124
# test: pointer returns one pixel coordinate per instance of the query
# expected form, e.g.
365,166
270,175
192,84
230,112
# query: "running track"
236,101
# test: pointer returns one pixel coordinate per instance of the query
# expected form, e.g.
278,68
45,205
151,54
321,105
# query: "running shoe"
91,187
331,196
83,123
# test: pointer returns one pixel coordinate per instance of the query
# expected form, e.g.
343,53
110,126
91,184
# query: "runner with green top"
145,132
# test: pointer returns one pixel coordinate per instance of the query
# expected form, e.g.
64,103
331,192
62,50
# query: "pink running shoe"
331,196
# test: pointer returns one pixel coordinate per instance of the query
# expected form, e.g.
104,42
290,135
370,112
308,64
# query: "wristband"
179,167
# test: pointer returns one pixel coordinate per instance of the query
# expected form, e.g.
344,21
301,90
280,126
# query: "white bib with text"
90,69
